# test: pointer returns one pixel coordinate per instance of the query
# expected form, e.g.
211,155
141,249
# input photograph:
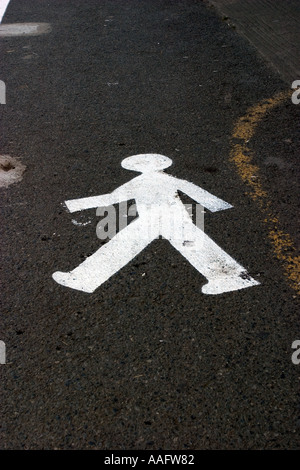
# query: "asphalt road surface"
147,361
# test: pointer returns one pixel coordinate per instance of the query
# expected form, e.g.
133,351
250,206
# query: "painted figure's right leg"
109,259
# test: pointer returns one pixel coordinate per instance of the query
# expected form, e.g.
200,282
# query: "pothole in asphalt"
11,170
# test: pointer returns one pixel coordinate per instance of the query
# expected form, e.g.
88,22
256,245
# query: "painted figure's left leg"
223,273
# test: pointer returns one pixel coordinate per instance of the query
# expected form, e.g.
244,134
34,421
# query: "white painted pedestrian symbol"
160,212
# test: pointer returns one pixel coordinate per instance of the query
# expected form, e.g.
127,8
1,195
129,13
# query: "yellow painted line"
241,155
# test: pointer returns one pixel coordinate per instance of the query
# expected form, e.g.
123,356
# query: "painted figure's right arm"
123,193
75,205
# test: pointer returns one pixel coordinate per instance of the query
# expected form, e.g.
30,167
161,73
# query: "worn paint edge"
3,8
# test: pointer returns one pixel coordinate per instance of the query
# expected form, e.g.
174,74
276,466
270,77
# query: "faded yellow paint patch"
246,125
241,155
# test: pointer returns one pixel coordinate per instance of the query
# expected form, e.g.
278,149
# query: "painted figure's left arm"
203,197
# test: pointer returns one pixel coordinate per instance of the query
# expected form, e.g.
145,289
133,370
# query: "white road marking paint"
161,212
24,29
3,7
2,92
2,353
82,224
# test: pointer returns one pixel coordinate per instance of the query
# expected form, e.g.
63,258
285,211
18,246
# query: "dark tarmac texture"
147,361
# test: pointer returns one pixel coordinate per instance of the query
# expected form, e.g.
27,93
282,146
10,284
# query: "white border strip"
3,6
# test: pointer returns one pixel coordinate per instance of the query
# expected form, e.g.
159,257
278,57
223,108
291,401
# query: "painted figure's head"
146,162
